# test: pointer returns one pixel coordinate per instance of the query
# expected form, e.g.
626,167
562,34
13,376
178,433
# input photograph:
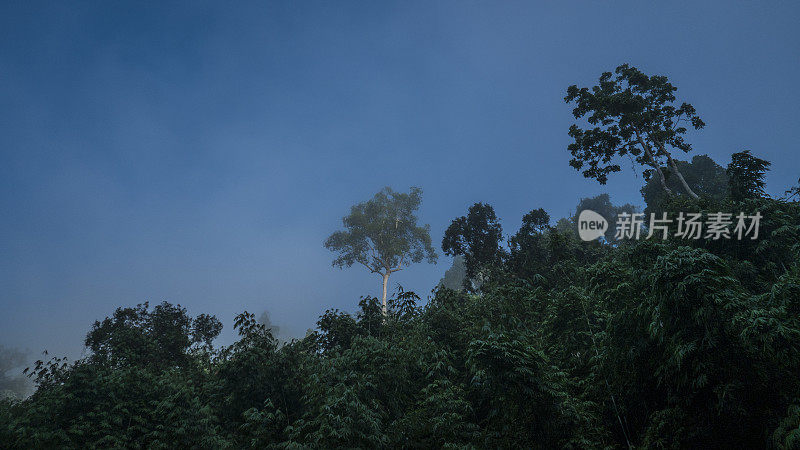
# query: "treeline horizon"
532,340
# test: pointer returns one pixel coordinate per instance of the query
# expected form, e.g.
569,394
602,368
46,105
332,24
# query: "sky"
201,152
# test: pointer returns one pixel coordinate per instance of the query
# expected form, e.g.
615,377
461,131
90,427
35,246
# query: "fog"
201,156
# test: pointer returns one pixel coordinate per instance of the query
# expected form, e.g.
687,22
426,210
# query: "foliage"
477,236
575,345
793,193
746,176
382,235
630,114
557,343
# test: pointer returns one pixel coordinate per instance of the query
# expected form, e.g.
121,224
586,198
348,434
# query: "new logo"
591,225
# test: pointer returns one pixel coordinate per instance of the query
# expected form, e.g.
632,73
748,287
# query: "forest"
537,339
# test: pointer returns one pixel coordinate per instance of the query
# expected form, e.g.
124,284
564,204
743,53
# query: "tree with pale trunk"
635,115
706,178
382,235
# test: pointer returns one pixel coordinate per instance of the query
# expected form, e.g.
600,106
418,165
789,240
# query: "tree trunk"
654,164
680,177
677,172
385,283
662,178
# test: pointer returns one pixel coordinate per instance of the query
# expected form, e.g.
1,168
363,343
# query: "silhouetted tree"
746,176
526,246
631,114
477,236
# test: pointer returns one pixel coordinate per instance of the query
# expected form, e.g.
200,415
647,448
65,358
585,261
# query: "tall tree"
477,236
526,247
382,235
631,114
746,175
534,224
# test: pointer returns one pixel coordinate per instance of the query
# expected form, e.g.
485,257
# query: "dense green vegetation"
552,342
566,343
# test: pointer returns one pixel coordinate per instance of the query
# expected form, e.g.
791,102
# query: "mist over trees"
602,205
264,319
537,339
456,275
12,381
382,235
707,178
281,333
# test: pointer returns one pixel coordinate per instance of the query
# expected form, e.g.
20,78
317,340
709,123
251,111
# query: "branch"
399,265
372,252
653,163
677,172
372,270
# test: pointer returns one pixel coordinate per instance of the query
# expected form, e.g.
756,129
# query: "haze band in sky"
714,226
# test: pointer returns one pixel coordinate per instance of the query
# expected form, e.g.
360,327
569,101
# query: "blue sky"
201,152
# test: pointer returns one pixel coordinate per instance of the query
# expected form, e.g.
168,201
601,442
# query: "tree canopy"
558,343
382,235
630,114
477,236
568,344
746,175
